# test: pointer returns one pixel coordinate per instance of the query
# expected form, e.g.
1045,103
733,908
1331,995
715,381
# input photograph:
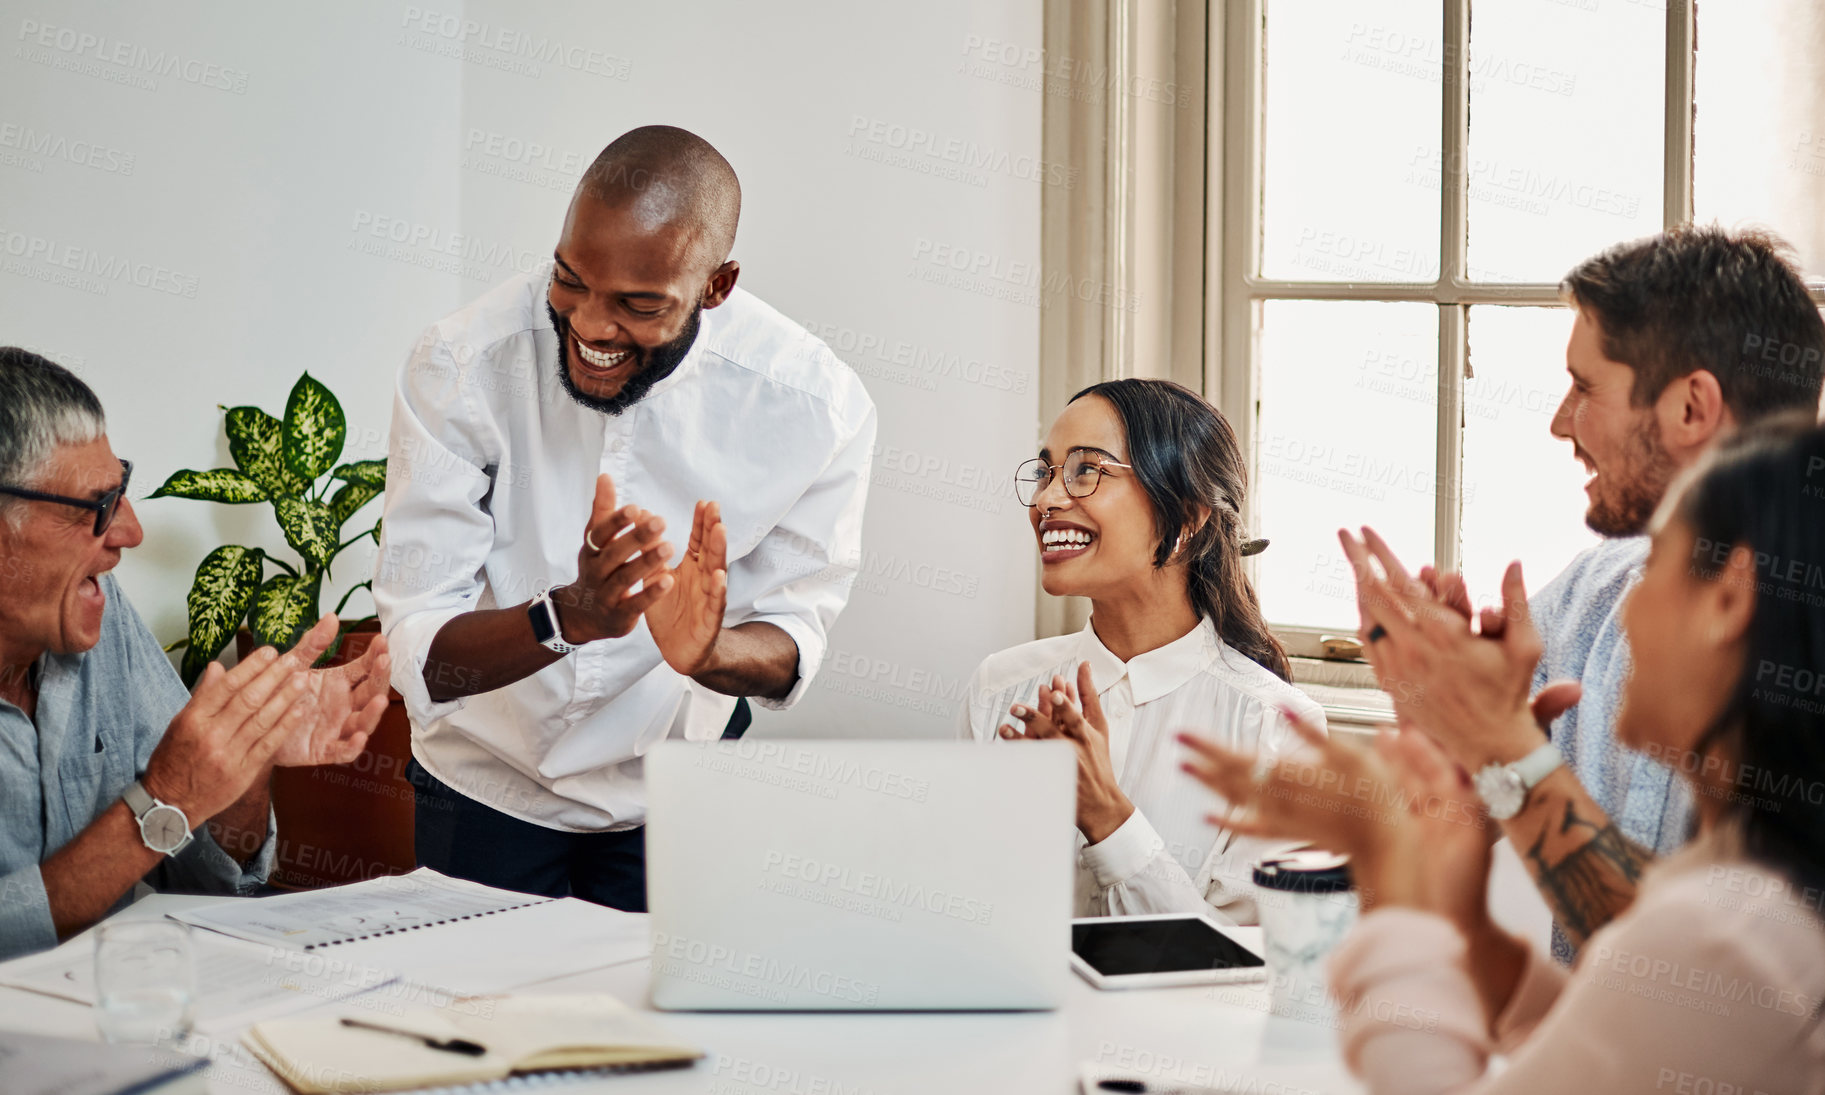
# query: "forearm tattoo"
1593,881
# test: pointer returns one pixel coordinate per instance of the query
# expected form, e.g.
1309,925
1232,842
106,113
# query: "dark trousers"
461,837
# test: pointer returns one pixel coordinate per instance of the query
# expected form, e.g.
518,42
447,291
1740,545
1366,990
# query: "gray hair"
42,406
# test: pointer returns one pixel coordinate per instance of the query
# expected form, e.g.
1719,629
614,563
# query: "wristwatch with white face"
162,826
545,626
1503,787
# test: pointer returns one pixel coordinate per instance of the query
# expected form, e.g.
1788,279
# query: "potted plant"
337,823
291,464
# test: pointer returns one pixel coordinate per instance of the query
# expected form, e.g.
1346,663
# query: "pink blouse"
1710,984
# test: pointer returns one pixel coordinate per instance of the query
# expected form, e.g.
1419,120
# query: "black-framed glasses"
105,507
1083,470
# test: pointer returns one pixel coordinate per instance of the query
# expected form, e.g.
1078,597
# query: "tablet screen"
1117,947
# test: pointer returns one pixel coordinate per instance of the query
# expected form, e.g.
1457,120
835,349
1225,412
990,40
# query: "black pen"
452,1045
1122,1085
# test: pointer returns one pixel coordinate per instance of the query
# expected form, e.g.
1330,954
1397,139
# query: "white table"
1188,1036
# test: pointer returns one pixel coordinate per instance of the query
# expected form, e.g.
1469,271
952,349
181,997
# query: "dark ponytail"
1185,457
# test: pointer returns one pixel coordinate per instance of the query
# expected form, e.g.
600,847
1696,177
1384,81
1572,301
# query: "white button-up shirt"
490,483
1165,857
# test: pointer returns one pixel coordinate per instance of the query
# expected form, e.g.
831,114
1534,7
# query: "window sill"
1347,691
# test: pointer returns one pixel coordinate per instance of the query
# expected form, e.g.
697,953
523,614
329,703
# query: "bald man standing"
546,439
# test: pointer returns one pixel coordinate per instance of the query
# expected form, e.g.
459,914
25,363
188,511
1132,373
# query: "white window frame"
1233,221
1168,215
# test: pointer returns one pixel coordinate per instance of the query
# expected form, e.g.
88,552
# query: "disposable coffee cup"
1307,906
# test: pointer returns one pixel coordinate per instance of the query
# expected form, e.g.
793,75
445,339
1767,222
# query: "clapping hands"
270,709
687,620
345,702
1074,713
1467,688
1400,809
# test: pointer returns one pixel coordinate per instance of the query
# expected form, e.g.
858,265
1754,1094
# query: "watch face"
164,828
1501,790
544,621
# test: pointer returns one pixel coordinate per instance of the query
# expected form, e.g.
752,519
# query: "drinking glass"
145,982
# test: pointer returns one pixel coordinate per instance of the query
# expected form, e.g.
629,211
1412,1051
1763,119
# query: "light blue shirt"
100,714
1579,616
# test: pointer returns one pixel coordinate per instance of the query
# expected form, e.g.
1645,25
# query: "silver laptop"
859,875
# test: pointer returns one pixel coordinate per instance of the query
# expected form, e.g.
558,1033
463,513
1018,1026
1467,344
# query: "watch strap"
138,799
1537,765
546,627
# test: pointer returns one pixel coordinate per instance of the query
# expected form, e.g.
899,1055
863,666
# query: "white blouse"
1165,857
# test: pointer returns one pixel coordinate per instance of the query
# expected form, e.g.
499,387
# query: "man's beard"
1637,483
653,366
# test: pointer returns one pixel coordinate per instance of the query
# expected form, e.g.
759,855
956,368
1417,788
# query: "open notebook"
318,1055
433,930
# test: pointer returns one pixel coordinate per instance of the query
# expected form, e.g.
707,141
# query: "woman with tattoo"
1711,974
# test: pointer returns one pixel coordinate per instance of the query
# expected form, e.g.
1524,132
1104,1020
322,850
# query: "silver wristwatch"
545,626
162,826
1504,787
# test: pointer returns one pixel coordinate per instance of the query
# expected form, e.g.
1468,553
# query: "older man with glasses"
110,773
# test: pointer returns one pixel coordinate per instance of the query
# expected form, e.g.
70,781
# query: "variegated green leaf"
283,610
314,429
349,498
219,597
215,485
371,473
310,528
257,441
193,666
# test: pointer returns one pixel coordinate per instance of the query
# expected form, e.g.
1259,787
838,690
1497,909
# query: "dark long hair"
1186,456
1765,490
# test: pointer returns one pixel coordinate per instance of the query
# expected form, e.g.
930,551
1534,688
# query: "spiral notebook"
436,931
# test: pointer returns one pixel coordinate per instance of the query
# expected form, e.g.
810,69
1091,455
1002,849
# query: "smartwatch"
545,623
1503,787
162,826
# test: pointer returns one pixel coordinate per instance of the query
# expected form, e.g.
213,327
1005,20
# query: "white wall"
237,161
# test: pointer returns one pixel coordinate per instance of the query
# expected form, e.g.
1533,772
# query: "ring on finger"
589,537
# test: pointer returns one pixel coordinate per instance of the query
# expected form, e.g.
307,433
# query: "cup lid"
1309,871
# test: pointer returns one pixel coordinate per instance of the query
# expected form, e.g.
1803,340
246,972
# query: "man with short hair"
547,635
1677,340
110,772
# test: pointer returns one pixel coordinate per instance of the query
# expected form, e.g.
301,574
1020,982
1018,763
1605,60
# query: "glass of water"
145,982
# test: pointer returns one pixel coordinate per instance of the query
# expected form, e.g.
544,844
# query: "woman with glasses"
1135,502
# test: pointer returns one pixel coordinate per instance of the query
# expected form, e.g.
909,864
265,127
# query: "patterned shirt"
1579,615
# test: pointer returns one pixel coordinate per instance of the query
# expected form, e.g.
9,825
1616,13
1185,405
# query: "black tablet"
1115,952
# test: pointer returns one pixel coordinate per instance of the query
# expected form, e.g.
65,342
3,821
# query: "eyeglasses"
105,507
1083,470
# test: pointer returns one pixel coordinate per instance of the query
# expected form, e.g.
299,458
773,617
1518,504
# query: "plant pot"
343,823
